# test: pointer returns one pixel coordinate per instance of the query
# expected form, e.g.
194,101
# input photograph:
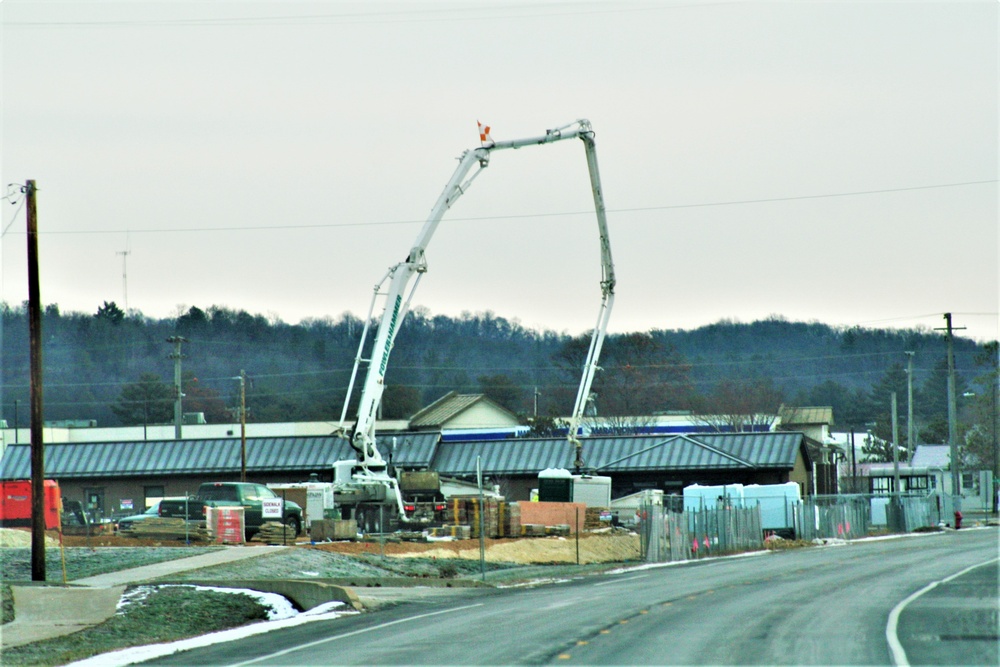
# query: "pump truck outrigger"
368,477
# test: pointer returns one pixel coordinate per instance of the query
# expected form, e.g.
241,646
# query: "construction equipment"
369,473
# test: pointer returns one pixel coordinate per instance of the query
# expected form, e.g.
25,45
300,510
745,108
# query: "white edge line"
898,653
618,581
353,633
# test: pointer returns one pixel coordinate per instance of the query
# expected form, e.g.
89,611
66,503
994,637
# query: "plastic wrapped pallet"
457,532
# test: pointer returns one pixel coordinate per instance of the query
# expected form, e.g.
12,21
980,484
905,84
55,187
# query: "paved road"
810,606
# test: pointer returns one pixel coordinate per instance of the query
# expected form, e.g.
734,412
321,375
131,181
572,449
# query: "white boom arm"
397,300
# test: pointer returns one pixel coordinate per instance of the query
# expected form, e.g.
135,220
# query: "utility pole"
243,426
911,443
125,253
854,465
896,521
895,446
178,406
955,464
37,443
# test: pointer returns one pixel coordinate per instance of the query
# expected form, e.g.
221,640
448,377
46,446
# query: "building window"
970,483
917,483
881,485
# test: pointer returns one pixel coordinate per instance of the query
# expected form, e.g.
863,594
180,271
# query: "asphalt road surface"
929,599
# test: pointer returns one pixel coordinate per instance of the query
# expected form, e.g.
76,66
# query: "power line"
522,216
451,14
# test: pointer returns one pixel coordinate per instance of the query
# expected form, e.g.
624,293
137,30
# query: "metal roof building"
219,456
722,451
107,474
634,462
454,410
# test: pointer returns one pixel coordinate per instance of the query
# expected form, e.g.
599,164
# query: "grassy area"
177,613
6,604
15,563
167,615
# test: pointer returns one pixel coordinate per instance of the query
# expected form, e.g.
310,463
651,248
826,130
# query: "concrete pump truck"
365,486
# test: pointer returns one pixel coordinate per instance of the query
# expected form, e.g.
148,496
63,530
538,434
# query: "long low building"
115,478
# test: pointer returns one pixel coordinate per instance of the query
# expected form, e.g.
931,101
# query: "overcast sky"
831,162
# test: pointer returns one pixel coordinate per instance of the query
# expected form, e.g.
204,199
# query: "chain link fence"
670,536
667,535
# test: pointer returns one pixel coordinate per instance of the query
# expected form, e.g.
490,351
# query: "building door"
94,504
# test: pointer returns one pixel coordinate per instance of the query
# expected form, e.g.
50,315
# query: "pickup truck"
232,494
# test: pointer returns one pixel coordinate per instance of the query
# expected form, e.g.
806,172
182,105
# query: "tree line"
114,367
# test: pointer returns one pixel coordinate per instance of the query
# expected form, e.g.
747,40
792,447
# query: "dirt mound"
20,538
593,549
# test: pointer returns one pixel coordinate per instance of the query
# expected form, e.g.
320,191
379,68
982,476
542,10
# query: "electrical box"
319,499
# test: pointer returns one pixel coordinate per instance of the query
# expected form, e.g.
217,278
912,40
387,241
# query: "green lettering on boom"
390,334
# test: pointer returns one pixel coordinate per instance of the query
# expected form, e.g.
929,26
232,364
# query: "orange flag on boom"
484,133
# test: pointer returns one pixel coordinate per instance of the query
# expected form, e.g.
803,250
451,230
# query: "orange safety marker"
484,133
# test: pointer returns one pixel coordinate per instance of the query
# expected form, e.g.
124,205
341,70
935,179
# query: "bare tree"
741,405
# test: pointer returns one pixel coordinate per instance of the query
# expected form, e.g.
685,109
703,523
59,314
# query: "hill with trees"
114,368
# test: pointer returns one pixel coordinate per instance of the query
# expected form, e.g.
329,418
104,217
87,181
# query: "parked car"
125,523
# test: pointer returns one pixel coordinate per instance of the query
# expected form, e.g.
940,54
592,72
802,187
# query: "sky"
832,162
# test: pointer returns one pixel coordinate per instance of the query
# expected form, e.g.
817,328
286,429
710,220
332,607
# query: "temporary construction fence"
843,517
855,515
670,536
697,533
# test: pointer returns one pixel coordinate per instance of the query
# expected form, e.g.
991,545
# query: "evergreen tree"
148,400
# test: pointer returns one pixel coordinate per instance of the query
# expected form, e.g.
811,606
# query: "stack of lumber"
160,528
272,532
593,519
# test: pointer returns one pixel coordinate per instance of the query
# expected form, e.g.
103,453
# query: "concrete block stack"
533,529
499,519
510,519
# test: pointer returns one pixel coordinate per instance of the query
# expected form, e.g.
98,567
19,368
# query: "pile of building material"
597,517
272,532
322,530
454,532
161,528
498,518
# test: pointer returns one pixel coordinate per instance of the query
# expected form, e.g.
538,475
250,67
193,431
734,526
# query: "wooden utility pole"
37,444
243,426
911,434
954,463
178,395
